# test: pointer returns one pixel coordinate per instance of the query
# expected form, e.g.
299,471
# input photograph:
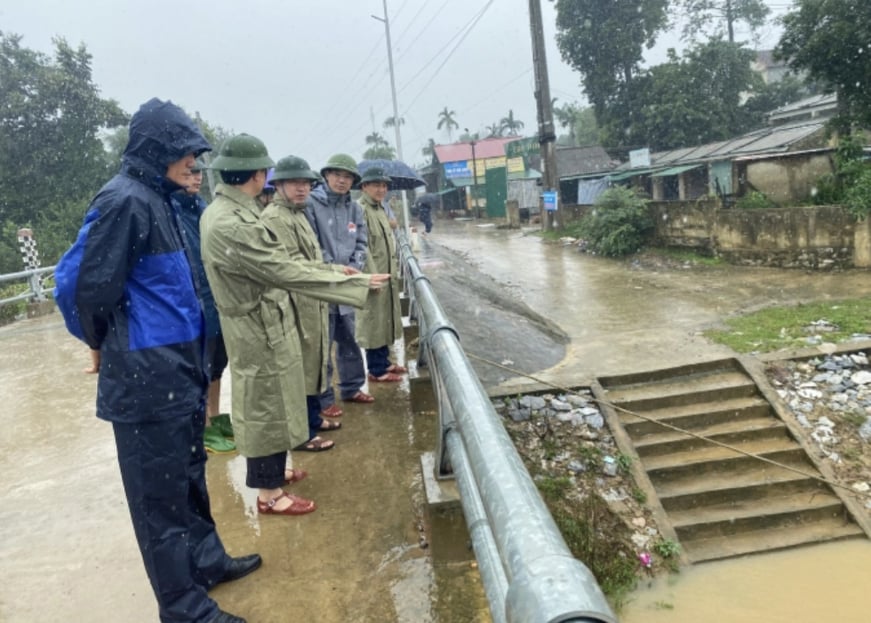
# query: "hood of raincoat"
161,133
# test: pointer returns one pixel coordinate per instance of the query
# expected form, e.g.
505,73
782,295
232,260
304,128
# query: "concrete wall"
818,237
684,223
821,237
789,178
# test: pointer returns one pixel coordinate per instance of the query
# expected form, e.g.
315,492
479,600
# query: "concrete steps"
720,501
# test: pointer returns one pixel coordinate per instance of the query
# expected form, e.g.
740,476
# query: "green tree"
566,116
768,97
619,223
52,158
447,120
586,128
378,148
429,150
390,122
494,130
510,125
829,39
686,101
714,18
604,41
215,134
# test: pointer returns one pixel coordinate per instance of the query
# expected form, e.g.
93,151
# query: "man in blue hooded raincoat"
127,290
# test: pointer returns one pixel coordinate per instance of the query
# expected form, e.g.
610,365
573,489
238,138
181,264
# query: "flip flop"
316,444
295,475
397,369
360,396
327,425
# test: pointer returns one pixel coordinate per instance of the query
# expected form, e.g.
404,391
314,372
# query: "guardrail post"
27,245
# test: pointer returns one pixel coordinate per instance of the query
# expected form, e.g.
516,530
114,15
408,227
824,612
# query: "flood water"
818,583
68,551
623,318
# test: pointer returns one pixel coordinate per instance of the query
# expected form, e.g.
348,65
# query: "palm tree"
494,130
376,140
390,122
510,124
447,121
567,115
429,150
380,152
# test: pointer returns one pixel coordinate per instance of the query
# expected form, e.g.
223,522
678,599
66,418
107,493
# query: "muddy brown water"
622,318
68,552
816,583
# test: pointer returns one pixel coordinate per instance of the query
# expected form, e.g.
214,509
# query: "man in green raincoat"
293,179
250,274
379,324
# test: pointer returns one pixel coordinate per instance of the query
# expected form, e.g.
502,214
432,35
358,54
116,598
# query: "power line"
327,119
472,25
411,22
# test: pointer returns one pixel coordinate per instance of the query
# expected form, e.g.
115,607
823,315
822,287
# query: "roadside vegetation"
799,326
618,225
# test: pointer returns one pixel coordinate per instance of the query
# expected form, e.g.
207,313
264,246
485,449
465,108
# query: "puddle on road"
817,583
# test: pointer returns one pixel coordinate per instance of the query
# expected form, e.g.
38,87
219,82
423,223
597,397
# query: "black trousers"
163,471
266,472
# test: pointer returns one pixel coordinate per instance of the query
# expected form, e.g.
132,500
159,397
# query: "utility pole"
396,123
546,134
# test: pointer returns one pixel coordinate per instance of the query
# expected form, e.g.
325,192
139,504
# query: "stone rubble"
830,397
565,436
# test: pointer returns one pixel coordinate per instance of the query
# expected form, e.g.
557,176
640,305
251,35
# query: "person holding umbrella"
380,321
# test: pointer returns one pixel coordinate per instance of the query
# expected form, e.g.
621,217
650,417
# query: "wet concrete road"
68,552
622,318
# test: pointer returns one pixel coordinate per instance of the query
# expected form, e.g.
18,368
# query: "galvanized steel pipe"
546,584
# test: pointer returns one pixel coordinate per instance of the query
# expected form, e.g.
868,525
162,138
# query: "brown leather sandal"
387,377
298,506
333,410
360,396
295,475
316,444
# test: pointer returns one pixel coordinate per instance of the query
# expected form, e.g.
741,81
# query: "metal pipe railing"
545,583
34,279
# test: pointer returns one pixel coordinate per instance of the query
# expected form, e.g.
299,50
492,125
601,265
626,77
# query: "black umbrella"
403,176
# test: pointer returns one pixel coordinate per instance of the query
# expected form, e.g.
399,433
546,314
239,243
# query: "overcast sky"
310,77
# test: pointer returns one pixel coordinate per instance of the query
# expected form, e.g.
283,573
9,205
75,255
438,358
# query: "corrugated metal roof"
676,170
485,148
780,138
631,173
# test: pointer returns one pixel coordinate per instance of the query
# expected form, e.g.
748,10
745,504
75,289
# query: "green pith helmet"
293,168
242,152
342,162
374,174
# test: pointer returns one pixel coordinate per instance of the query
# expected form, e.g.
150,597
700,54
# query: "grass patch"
776,328
854,418
553,489
572,229
10,311
585,529
639,495
685,256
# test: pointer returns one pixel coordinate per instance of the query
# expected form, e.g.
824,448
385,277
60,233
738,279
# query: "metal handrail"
36,292
529,574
